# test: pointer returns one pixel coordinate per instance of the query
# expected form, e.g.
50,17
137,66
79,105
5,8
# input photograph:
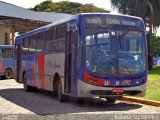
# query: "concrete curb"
139,100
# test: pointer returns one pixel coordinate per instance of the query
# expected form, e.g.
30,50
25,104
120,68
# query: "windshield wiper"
120,37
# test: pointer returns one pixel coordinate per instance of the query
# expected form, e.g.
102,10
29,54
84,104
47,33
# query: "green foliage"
146,9
155,45
131,7
88,8
66,7
46,6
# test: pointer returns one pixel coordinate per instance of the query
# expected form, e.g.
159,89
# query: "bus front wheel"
61,96
8,73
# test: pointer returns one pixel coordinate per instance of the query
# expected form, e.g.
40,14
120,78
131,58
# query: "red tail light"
92,80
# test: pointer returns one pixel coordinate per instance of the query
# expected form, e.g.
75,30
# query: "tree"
155,45
45,6
66,7
146,9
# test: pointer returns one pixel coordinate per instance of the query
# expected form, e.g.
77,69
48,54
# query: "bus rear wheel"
61,96
111,100
8,73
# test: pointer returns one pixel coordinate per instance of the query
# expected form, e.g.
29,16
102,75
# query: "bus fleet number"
126,82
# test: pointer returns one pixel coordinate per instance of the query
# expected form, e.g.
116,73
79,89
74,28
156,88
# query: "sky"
99,3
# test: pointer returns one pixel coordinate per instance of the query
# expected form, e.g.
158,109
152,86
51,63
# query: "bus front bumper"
87,90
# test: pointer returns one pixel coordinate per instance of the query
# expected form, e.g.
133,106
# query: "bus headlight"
92,80
139,81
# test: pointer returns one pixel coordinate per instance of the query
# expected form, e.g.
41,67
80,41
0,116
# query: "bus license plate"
117,90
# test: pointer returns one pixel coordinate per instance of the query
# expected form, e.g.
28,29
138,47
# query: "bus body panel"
54,63
85,90
40,69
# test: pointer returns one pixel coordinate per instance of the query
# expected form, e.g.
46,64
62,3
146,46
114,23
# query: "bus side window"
49,40
26,45
32,45
59,43
40,42
7,53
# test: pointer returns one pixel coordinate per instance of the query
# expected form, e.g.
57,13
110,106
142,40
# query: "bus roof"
74,17
6,46
110,14
46,27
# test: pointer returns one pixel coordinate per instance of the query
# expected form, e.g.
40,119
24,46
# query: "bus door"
19,63
70,63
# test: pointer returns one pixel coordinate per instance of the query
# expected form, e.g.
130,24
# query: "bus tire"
8,73
61,96
26,87
111,100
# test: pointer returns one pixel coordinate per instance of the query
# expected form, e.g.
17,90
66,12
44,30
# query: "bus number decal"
117,83
126,82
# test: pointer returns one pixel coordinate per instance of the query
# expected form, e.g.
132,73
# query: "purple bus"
86,55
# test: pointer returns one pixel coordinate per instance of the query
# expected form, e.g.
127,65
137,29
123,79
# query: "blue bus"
86,55
6,61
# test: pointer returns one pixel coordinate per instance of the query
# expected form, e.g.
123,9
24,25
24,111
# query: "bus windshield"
115,51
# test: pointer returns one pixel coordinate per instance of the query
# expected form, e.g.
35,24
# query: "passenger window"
59,44
7,53
32,45
40,42
25,46
50,37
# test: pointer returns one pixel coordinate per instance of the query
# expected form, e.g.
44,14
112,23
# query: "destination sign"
108,21
94,20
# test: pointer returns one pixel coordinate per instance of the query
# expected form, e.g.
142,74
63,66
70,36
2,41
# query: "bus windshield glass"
110,51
